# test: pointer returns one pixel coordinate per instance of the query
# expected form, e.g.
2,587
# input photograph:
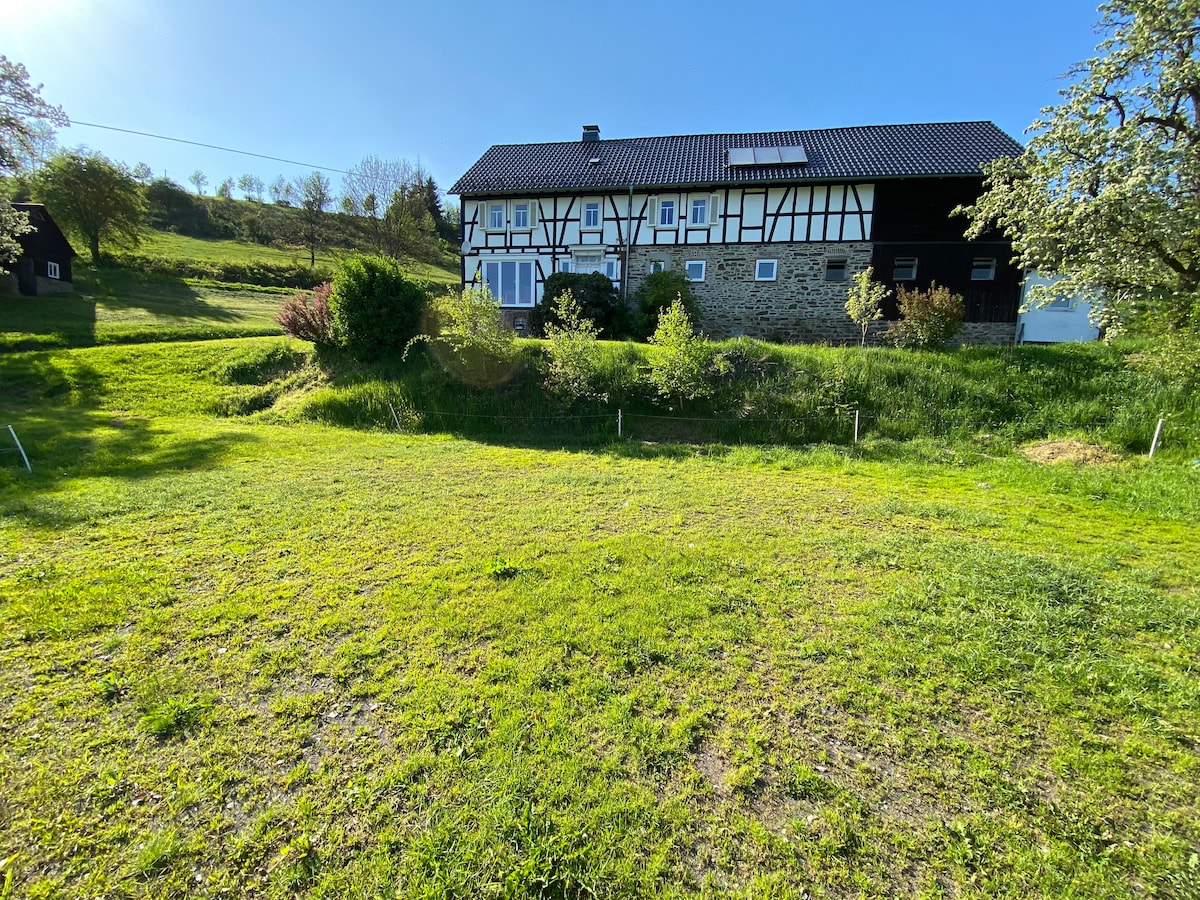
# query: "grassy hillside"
284,659
117,306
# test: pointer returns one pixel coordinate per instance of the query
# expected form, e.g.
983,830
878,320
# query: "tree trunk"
94,246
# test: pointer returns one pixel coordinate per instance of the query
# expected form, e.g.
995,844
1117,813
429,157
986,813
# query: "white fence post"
620,424
28,467
1157,434
856,426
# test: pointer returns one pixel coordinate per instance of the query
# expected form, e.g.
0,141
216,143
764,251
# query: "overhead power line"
163,137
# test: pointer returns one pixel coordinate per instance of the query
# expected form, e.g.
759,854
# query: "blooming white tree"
1107,194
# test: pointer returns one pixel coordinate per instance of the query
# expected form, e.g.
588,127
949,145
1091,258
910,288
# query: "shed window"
904,269
52,270
835,270
695,269
983,269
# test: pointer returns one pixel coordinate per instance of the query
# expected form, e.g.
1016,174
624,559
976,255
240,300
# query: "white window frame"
530,214
524,272
687,269
655,210
983,268
656,265
837,264
488,208
911,268
52,270
758,274
702,203
584,225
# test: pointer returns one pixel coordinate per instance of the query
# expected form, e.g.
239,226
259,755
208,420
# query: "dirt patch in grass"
1070,451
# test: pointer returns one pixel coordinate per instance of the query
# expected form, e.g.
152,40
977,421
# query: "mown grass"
177,246
115,306
271,658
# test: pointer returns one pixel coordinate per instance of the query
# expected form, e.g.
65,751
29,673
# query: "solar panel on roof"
766,155
741,156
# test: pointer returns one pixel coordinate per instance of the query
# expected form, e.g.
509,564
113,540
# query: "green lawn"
240,658
178,246
116,306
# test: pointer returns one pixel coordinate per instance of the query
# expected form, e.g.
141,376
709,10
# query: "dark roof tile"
872,151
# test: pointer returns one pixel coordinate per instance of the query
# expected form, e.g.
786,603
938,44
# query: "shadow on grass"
160,295
43,323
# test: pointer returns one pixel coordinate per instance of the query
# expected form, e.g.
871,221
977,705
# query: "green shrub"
683,367
573,364
468,336
864,303
655,294
374,309
596,298
928,319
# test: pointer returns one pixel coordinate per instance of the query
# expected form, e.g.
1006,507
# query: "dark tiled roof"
872,151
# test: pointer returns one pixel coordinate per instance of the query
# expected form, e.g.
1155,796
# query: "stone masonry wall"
800,305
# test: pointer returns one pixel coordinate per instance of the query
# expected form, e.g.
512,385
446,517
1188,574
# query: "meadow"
248,651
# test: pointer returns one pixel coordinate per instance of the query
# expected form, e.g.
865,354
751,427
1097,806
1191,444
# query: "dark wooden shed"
44,266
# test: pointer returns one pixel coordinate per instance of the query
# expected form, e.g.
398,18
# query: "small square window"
52,270
656,265
694,269
983,269
495,220
666,213
1060,301
591,216
765,269
835,270
564,265
904,269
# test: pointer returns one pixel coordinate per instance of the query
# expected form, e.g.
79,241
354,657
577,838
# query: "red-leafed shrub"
305,315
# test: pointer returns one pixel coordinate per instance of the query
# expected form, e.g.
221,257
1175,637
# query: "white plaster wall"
1048,325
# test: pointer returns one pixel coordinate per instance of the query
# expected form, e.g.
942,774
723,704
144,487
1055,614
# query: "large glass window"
510,281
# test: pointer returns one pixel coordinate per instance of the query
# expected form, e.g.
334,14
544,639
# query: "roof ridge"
654,137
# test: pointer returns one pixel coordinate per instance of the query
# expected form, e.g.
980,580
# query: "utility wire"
163,137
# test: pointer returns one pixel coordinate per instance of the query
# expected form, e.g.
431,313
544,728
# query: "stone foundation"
799,306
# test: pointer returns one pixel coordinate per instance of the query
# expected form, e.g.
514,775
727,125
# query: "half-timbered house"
768,226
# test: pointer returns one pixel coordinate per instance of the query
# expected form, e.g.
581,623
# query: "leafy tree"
251,187
470,338
225,189
1107,193
23,112
282,192
865,302
90,194
928,319
366,190
573,370
595,296
657,292
315,199
199,180
374,310
684,364
26,120
170,206
142,173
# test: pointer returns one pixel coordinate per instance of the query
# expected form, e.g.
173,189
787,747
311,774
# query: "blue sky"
439,82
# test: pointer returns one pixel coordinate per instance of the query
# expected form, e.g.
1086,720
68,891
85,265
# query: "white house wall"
1068,319
749,215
